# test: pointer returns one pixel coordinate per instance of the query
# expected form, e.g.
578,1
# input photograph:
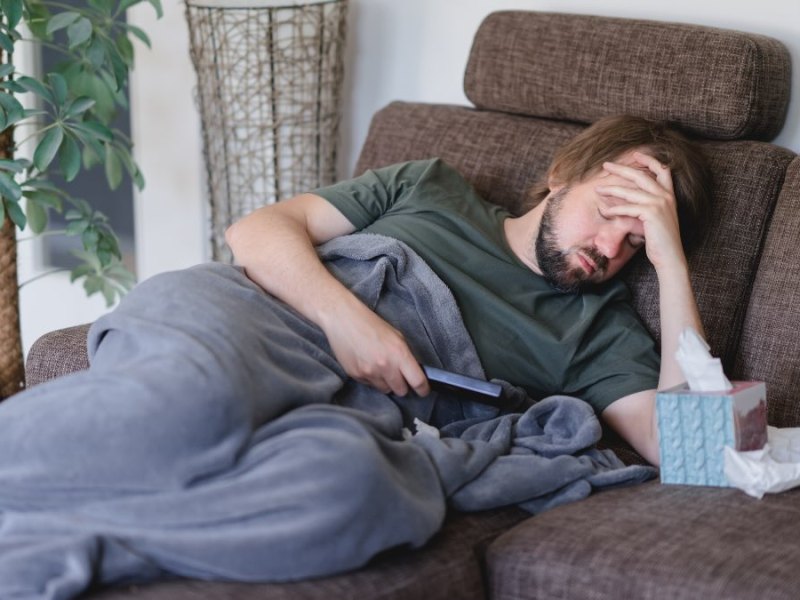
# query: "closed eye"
602,216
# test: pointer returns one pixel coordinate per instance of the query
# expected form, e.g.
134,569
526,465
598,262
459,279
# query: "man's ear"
554,184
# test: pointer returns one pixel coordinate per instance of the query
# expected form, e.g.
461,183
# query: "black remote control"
469,387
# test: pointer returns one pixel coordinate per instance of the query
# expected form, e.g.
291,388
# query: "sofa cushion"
450,566
716,83
653,541
57,353
770,345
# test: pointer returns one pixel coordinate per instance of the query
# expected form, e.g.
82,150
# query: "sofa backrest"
770,342
538,78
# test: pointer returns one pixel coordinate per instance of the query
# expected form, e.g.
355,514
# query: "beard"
554,262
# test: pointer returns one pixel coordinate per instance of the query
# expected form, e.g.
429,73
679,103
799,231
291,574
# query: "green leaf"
29,84
109,293
139,33
13,108
96,53
96,130
6,43
59,86
125,49
77,227
15,214
38,183
46,149
79,32
37,217
113,168
104,6
44,199
15,166
61,20
13,86
90,237
6,70
92,154
9,189
2,210
79,106
84,83
93,284
69,158
125,4
138,179
37,18
157,5
13,11
80,271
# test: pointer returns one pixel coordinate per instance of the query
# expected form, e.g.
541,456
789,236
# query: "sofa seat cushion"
448,567
657,542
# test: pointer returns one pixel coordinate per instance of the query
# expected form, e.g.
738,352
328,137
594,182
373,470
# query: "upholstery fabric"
716,83
57,353
501,155
448,567
654,541
770,345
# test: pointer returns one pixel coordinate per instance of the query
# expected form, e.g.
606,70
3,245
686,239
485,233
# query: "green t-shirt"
590,345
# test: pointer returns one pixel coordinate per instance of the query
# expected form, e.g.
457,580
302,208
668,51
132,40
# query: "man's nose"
609,241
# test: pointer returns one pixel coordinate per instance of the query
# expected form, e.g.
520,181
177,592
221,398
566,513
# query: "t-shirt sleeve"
617,358
366,198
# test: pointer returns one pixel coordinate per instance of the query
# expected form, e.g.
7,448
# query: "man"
610,192
225,433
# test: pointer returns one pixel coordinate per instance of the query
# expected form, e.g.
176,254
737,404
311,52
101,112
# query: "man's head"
576,244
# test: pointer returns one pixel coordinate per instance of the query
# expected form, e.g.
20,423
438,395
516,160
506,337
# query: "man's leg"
182,372
321,490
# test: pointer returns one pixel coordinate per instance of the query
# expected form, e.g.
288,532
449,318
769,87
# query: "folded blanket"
215,436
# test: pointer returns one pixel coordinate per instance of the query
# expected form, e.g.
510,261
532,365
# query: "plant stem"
40,275
44,233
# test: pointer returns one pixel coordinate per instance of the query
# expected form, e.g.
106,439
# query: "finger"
633,195
397,382
415,377
642,179
662,172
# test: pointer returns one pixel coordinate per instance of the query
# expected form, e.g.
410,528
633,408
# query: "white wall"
412,50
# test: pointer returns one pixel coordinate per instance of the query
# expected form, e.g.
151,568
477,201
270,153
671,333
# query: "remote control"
469,387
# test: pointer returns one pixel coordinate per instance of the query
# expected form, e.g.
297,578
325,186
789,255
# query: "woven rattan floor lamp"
269,84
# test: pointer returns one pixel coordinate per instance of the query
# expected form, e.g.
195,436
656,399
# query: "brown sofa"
536,79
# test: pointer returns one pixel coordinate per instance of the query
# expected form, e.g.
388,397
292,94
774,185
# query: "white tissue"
774,468
702,371
422,429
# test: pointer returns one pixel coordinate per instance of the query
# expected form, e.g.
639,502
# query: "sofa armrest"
57,353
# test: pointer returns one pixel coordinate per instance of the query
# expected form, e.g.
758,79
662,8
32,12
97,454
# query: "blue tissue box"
694,427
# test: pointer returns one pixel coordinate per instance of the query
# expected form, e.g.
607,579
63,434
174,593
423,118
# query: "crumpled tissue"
774,468
703,372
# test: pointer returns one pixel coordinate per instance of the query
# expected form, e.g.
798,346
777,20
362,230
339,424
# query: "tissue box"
694,427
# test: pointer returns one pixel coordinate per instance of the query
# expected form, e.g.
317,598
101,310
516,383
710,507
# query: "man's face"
577,245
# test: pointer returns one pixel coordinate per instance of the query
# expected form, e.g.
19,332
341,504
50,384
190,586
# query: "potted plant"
70,125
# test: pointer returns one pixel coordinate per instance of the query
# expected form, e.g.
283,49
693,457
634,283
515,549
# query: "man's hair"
610,137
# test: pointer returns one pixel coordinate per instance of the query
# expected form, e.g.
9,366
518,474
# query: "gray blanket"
215,436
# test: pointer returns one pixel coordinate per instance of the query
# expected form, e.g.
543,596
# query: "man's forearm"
678,310
275,245
278,254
